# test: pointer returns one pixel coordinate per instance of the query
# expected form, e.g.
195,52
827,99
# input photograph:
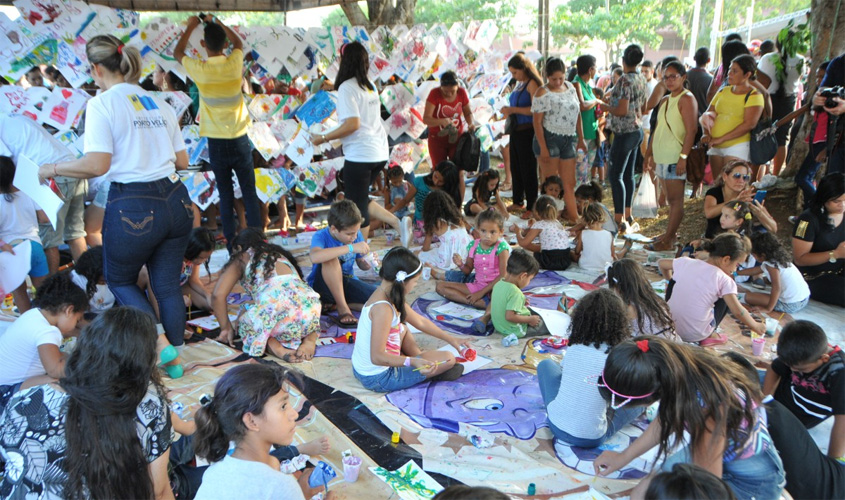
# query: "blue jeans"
548,375
148,223
394,378
458,276
623,157
807,173
759,477
227,156
354,290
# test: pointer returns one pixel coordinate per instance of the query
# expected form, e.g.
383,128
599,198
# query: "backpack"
468,152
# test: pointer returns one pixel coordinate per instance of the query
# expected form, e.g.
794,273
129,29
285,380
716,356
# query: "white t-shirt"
578,409
19,359
793,288
650,85
767,66
454,241
18,220
553,236
22,136
595,249
140,131
102,300
369,142
236,478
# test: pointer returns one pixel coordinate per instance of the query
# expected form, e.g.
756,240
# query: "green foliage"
792,42
735,11
451,11
337,18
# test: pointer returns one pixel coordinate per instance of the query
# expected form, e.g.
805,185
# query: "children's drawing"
208,322
503,401
469,366
300,149
43,53
39,13
71,141
407,155
263,106
269,185
458,311
196,146
416,127
179,101
398,123
263,140
409,481
71,65
318,108
320,39
201,188
396,97
161,35
37,97
581,459
13,99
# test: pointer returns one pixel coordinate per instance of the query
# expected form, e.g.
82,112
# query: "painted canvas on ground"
409,481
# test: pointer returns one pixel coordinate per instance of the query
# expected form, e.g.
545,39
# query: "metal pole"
696,19
716,29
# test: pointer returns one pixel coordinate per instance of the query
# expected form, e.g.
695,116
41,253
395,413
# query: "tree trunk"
381,12
822,18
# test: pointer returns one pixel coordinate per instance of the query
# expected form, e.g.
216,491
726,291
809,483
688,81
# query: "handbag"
764,145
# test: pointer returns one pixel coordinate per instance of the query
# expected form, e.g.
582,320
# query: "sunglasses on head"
744,177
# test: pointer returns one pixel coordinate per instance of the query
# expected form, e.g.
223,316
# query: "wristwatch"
684,157
832,258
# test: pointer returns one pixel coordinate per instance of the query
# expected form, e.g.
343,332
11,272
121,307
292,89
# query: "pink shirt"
698,285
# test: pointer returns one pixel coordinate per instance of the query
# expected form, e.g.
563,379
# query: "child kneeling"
386,356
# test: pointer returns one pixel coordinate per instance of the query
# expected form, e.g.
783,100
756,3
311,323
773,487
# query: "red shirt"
443,109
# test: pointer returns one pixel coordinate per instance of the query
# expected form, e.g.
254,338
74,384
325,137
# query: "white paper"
458,311
557,322
469,366
209,322
14,268
300,149
26,179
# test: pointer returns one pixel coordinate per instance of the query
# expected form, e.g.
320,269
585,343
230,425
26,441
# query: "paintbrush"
436,364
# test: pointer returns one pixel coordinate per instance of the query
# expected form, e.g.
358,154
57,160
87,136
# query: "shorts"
791,307
555,260
38,261
71,223
559,146
666,171
101,199
741,151
355,291
394,378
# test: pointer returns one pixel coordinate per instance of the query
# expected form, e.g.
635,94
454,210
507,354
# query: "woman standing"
674,137
818,243
523,161
733,113
447,115
134,138
365,146
626,104
558,131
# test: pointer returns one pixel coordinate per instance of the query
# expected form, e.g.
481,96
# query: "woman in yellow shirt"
733,113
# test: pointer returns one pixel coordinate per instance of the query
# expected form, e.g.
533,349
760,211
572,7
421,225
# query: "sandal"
526,215
714,341
506,186
660,246
339,320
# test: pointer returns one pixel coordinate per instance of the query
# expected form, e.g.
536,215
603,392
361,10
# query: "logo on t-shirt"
141,103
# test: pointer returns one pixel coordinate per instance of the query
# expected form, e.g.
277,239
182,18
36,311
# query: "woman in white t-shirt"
365,146
134,139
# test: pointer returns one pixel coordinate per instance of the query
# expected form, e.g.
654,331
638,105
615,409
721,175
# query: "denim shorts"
559,146
101,199
394,378
667,172
791,307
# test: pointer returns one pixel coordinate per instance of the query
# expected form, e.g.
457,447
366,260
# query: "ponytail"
399,266
214,445
109,52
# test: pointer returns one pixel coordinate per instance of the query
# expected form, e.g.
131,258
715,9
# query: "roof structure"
214,5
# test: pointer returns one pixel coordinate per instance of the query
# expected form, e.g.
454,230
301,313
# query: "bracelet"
407,361
351,248
324,138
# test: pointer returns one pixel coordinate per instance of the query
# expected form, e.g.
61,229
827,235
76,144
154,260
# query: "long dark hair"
831,186
730,51
399,259
522,63
90,266
7,177
439,206
242,389
692,385
354,64
450,180
599,318
253,239
480,187
201,240
106,378
627,278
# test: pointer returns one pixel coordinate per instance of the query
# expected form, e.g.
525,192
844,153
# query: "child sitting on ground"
578,415
808,377
553,250
445,177
648,312
398,194
508,308
386,356
594,249
704,290
487,257
485,194
333,250
553,187
29,349
87,273
285,313
442,219
252,407
591,193
790,293
19,218
199,250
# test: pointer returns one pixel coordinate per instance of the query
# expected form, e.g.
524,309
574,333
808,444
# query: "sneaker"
406,230
634,228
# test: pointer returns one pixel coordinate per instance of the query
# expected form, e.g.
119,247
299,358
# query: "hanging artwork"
269,185
61,108
71,65
300,149
396,97
263,140
398,123
37,97
263,106
318,108
178,101
196,146
201,188
71,141
13,99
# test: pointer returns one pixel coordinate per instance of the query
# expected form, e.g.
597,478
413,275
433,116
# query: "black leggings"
357,179
524,168
828,288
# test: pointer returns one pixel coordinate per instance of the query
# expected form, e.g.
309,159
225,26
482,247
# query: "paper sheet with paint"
300,149
469,366
557,322
318,108
209,322
458,311
14,268
410,482
26,179
62,107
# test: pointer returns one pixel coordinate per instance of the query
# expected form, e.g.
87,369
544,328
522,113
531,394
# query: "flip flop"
339,320
710,341
479,327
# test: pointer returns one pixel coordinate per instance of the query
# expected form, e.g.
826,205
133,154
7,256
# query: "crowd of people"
100,413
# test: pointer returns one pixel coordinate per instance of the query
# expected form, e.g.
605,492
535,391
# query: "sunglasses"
744,177
613,394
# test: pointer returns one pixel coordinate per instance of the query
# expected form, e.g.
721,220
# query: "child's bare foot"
283,353
319,446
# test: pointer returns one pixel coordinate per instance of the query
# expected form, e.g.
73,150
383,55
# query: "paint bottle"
468,353
394,439
532,489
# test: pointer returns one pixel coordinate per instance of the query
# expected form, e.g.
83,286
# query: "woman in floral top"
625,107
285,311
557,130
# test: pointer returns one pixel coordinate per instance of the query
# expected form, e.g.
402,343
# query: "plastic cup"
390,237
351,468
426,272
468,353
757,346
771,326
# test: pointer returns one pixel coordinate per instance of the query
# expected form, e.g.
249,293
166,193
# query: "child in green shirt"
508,308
